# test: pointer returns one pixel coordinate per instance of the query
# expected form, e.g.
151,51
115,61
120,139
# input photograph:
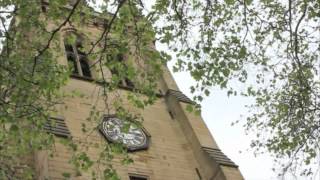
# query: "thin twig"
53,33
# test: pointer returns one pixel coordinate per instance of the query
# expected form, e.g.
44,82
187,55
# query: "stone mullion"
77,59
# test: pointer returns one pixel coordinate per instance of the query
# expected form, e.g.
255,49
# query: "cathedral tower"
171,143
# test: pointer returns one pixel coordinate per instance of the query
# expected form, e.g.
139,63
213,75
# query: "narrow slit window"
72,63
69,48
129,83
85,67
171,114
137,178
198,173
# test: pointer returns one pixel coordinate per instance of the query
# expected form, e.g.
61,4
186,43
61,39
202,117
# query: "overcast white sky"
219,111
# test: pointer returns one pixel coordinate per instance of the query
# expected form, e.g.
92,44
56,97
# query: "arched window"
124,81
77,58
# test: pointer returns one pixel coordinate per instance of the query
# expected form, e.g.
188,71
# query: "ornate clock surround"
105,131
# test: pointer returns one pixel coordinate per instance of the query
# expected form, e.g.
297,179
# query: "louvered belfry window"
77,58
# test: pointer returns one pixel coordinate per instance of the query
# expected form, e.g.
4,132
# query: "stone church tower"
173,144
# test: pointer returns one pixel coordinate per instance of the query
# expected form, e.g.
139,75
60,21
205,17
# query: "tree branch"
53,33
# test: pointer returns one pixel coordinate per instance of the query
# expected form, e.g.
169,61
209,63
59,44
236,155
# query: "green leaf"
189,108
66,175
229,2
242,52
226,72
14,128
248,2
207,92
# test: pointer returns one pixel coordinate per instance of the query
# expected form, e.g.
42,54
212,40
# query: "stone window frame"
78,73
126,82
77,58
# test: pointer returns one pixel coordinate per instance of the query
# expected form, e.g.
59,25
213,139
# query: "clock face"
134,139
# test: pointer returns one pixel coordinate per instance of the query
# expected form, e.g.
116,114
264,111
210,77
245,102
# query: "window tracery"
77,58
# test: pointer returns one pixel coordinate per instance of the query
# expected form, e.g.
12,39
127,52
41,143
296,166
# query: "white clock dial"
135,138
